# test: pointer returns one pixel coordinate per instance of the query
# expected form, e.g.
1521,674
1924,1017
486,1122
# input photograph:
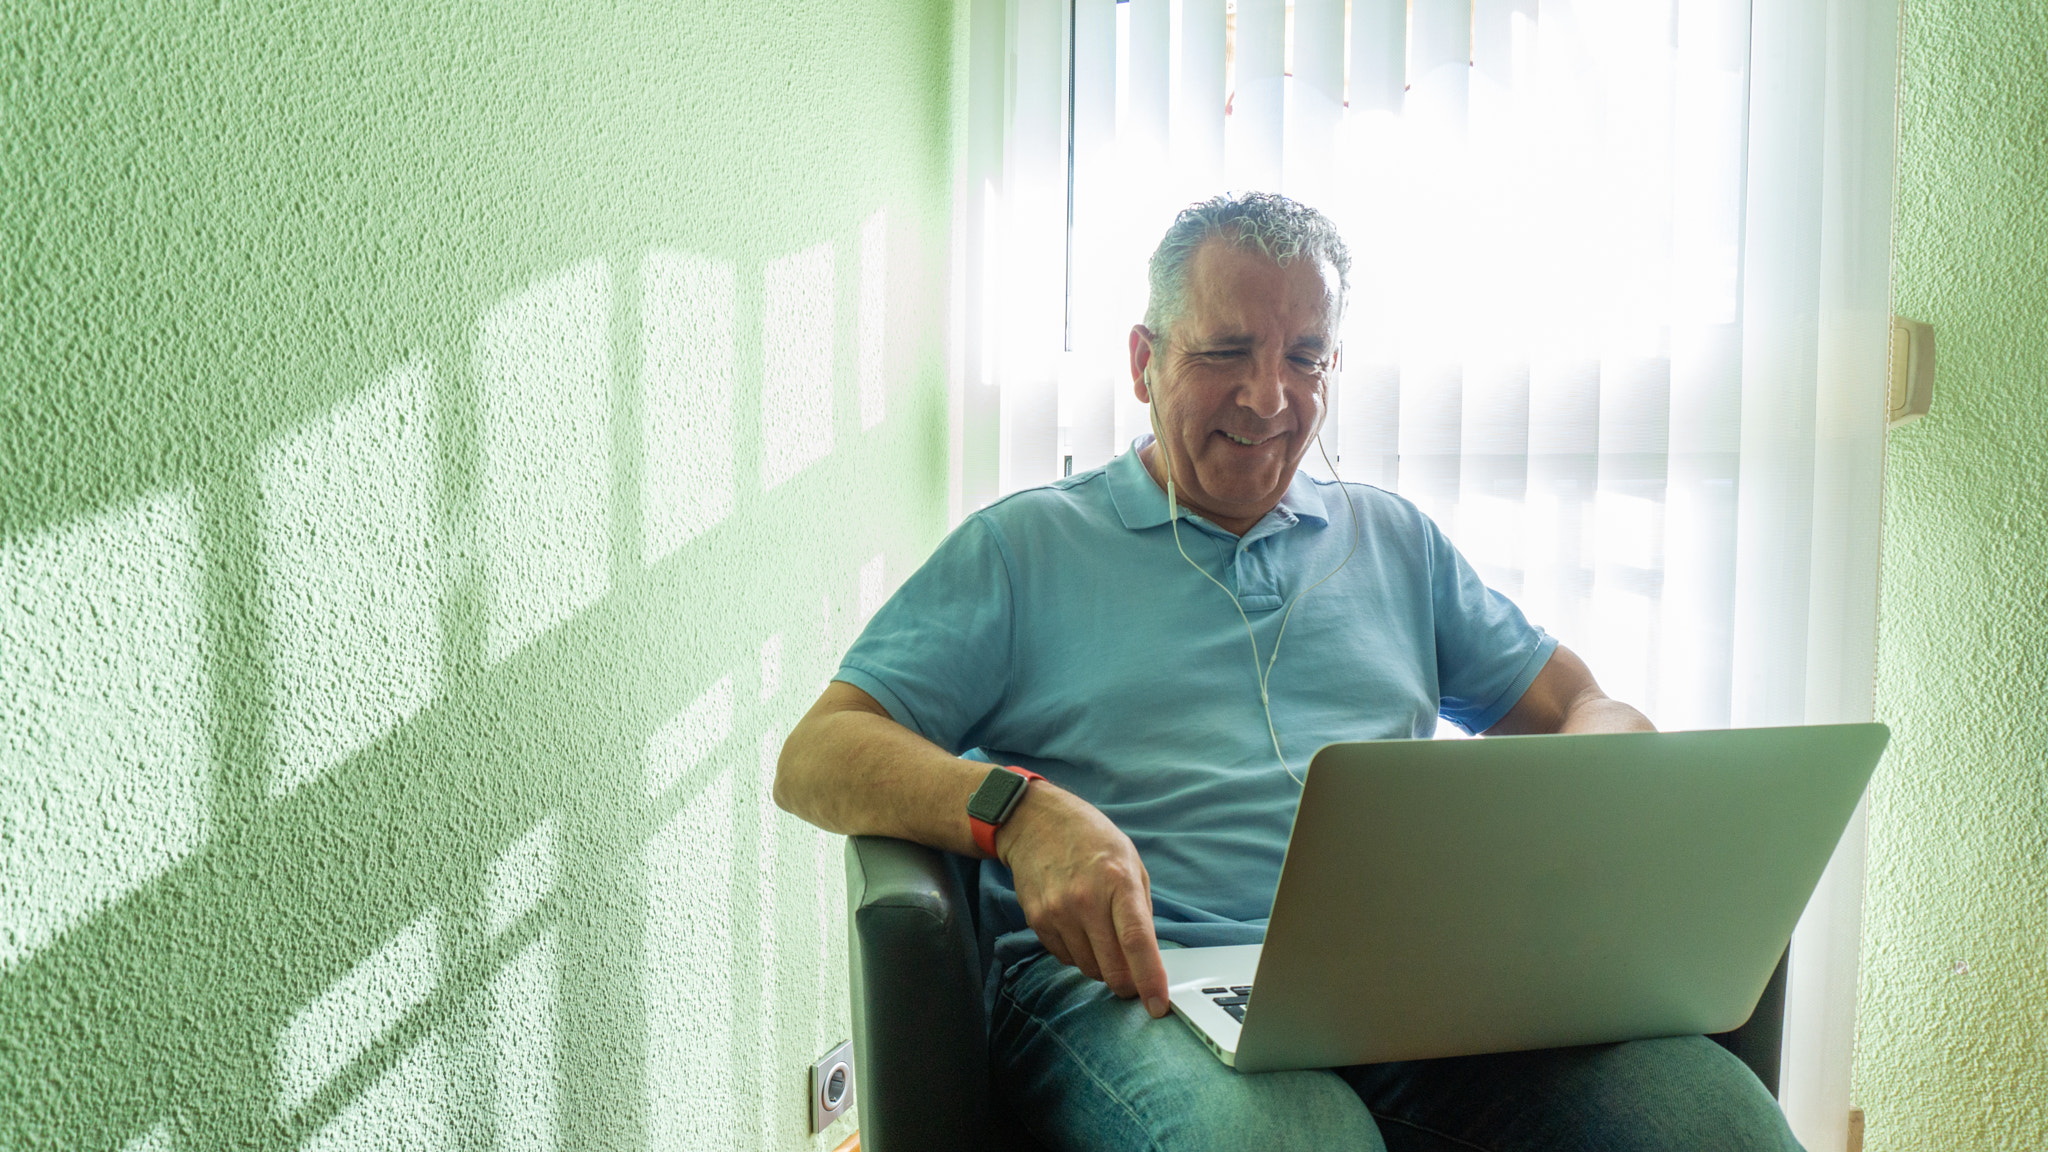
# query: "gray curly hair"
1283,229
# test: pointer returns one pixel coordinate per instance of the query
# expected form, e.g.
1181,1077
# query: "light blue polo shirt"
1060,629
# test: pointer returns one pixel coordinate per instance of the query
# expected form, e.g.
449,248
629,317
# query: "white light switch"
1912,371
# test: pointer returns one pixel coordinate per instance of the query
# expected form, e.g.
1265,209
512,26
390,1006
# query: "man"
1128,650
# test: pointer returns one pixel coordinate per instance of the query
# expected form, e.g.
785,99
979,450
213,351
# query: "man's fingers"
1055,944
1080,951
1085,958
1109,950
1140,949
1088,896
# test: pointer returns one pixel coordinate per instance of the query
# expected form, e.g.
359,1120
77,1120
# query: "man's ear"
1141,359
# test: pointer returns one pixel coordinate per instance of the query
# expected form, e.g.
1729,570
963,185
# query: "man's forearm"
850,770
1605,714
1565,698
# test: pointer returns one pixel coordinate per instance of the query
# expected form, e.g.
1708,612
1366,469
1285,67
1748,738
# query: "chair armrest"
1757,1041
920,1033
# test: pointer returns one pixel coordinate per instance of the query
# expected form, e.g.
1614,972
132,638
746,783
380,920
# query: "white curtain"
1618,316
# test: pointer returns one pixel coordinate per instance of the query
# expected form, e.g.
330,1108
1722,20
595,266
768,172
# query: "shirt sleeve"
937,655
1487,652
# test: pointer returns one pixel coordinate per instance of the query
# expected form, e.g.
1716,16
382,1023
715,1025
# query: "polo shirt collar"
1142,504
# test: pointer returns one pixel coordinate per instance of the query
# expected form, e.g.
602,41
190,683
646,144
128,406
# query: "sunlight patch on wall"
687,981
686,381
522,1037
406,1110
351,575
871,323
771,666
520,878
683,743
355,1011
828,644
796,363
157,1139
874,586
543,372
102,717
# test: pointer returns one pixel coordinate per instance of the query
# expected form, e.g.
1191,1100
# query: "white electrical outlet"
831,1086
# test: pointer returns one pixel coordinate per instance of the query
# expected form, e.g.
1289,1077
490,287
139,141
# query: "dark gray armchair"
920,1032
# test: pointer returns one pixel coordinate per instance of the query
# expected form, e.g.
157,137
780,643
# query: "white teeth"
1242,440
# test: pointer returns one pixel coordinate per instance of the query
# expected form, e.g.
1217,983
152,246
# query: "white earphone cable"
1263,672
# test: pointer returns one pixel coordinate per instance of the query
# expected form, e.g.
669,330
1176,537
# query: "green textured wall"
1952,1051
442,449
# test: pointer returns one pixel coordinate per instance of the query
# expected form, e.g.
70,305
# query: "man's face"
1238,387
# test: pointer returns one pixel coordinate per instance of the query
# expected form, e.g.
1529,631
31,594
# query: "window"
1618,316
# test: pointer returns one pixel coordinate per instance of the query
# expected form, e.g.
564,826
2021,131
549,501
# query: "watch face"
991,802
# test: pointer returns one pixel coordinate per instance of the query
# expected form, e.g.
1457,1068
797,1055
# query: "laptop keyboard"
1231,999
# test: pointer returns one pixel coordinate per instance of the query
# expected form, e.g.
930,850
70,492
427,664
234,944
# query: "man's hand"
1085,892
849,768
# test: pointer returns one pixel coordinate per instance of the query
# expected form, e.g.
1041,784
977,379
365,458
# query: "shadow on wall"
409,786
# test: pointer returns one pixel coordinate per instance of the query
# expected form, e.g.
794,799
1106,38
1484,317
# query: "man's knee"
1086,1071
1666,1095
1176,1105
1685,1092
1310,1111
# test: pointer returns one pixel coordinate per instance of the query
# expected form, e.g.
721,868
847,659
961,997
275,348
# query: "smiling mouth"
1236,439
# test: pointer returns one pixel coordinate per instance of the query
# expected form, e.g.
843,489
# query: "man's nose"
1265,393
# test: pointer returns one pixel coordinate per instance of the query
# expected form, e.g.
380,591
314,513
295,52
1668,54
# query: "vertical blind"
1618,316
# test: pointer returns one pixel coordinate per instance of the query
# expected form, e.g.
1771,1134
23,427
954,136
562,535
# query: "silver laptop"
1454,897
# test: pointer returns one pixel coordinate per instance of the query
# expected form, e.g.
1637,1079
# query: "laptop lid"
1451,897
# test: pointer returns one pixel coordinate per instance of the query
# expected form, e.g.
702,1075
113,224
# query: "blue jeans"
1085,1070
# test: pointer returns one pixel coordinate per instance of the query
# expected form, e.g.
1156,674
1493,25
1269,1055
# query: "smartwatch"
992,803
